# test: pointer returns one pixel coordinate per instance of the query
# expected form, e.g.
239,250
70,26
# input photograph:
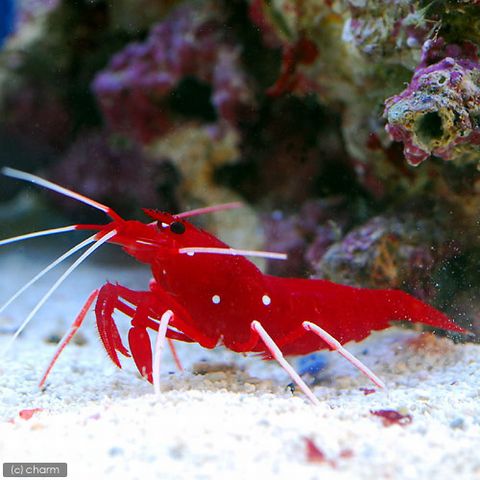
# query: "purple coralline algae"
102,166
400,251
306,235
439,112
135,90
37,116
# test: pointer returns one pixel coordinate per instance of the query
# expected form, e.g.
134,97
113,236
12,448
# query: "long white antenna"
72,267
60,259
233,251
29,177
41,233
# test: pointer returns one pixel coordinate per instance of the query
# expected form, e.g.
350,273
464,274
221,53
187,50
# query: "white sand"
237,423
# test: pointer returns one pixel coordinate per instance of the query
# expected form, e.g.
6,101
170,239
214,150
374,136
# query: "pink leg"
278,356
336,345
159,344
68,336
175,356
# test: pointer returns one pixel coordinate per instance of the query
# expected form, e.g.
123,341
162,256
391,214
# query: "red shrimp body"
223,306
224,294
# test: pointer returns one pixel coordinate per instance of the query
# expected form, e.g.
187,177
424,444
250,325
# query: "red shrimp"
205,292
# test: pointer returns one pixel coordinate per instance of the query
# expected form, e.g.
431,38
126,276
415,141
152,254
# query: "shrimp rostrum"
206,292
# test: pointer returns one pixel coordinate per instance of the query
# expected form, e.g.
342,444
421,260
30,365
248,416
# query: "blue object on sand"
312,364
7,19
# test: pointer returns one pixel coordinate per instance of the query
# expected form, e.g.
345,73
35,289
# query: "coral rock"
439,112
135,90
112,172
305,236
196,153
388,252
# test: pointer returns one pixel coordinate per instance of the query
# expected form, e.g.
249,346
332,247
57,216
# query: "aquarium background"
349,130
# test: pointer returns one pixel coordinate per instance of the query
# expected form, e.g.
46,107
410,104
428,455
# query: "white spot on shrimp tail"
266,300
216,299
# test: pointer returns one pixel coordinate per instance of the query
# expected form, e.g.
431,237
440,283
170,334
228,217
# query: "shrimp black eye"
177,227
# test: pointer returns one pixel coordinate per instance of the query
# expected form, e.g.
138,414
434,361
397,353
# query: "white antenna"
41,233
233,251
72,267
60,259
29,177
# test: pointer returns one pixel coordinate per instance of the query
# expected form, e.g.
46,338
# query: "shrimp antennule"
214,208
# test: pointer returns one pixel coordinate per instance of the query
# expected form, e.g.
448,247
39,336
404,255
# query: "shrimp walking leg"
175,356
68,336
278,356
334,344
159,343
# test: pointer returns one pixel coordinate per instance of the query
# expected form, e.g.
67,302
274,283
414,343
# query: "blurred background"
349,129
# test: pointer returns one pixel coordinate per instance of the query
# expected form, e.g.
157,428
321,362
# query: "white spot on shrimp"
266,300
190,254
216,299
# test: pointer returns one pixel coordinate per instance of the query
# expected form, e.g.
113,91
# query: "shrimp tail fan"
377,309
407,307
